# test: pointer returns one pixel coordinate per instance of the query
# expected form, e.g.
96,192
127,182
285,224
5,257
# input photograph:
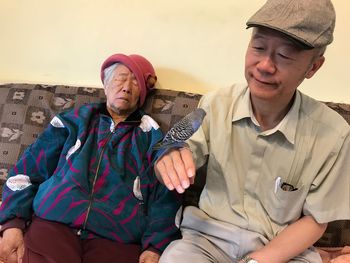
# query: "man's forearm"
292,241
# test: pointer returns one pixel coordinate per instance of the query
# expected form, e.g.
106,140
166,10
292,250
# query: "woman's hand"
149,256
12,246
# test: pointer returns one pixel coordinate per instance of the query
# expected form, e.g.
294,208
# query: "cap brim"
297,41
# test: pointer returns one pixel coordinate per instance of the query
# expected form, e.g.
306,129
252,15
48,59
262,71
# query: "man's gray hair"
108,73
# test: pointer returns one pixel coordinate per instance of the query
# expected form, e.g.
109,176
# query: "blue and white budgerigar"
174,138
181,131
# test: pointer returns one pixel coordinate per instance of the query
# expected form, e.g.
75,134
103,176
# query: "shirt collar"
287,125
242,111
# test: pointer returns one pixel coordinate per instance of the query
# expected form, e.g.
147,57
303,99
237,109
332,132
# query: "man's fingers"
173,164
176,169
166,169
190,167
187,170
179,175
162,175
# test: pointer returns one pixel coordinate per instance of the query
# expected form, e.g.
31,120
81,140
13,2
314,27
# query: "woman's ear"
315,66
104,87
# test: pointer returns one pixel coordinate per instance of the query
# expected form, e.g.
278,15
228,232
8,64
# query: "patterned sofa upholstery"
26,109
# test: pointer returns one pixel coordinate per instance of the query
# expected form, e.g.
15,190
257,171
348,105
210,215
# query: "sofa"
26,109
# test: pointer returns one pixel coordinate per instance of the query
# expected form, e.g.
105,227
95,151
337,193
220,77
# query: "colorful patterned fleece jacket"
96,178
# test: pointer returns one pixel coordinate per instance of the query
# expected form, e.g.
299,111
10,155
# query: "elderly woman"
84,191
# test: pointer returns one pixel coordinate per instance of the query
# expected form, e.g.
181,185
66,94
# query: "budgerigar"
182,130
174,138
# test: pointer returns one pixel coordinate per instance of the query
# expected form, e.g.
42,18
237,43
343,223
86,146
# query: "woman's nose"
127,86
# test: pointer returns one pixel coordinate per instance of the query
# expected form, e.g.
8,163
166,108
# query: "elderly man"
83,192
278,160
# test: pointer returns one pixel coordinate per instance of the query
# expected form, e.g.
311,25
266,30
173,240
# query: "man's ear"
315,66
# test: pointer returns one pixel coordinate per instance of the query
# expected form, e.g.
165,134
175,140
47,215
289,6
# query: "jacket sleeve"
163,206
36,165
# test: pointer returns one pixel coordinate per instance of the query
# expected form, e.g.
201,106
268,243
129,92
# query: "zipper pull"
113,127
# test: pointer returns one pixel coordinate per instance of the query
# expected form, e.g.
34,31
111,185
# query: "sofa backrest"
26,109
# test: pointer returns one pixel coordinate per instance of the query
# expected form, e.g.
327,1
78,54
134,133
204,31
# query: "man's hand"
12,246
335,255
176,169
149,256
341,259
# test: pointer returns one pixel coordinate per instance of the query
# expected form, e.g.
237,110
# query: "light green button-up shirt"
309,149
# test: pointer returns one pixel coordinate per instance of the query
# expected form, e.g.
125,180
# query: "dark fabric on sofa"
26,109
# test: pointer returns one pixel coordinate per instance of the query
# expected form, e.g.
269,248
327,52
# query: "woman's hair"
108,72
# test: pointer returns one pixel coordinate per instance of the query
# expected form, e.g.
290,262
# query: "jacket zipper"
93,185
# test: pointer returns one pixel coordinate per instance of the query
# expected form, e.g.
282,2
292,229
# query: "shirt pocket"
281,206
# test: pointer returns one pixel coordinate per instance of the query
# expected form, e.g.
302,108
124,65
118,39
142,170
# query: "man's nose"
266,65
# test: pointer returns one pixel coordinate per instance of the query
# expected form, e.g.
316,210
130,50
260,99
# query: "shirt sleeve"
199,143
37,164
329,196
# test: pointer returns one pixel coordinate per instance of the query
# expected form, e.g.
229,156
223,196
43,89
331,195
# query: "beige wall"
195,45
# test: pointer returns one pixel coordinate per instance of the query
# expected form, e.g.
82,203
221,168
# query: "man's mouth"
267,83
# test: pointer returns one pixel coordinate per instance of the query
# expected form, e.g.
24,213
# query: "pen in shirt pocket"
284,186
277,183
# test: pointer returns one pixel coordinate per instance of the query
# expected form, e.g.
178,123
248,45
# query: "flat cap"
310,22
